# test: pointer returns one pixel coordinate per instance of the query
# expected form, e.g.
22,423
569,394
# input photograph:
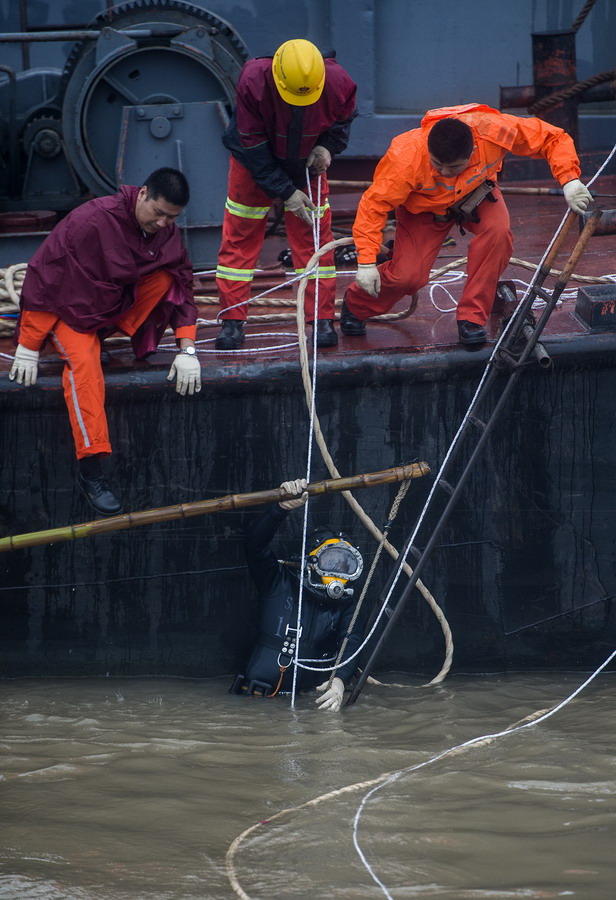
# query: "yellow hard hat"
299,72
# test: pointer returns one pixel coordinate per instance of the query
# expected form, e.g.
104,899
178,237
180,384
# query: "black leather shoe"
326,333
231,335
99,495
350,324
471,333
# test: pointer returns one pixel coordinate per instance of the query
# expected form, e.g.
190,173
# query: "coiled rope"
11,280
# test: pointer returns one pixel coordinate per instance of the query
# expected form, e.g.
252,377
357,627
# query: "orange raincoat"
404,176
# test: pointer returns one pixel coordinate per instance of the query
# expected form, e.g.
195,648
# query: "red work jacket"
273,139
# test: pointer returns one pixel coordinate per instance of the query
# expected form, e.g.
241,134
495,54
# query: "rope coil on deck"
11,281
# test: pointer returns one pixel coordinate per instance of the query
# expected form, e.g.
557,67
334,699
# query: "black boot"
350,324
471,332
231,335
326,333
95,488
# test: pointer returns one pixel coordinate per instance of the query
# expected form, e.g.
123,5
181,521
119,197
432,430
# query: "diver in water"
332,564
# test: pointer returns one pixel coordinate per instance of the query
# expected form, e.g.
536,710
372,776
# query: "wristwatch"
189,351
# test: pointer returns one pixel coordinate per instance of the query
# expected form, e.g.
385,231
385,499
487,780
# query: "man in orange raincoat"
424,173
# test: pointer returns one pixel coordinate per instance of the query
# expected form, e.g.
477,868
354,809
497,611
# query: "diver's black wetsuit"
324,621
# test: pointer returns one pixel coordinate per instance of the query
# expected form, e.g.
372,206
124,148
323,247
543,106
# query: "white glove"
577,196
332,698
297,203
187,371
319,160
368,278
25,365
294,487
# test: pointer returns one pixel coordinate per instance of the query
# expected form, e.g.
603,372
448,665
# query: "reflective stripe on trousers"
82,378
243,232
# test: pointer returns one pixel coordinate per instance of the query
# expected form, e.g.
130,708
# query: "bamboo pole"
204,507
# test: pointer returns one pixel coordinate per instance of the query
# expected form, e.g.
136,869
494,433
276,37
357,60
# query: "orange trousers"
243,232
418,241
82,378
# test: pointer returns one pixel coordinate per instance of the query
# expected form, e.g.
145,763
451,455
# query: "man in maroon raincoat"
114,264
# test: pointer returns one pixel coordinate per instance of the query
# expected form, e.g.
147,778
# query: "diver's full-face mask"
332,565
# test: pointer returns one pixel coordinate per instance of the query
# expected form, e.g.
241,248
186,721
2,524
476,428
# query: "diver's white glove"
577,196
25,366
297,203
332,698
187,372
319,160
294,487
368,278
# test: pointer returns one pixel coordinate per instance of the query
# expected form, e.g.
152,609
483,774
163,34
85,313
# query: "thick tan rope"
482,741
331,466
11,280
571,91
579,20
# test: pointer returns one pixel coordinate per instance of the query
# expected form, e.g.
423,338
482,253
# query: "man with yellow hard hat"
293,111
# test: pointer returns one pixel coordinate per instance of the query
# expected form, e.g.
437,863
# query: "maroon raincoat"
86,270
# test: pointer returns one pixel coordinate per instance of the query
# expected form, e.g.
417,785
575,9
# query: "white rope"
403,557
454,277
485,738
348,496
303,664
382,781
343,662
276,287
172,348
316,239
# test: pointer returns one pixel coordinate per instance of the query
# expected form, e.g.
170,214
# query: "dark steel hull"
525,572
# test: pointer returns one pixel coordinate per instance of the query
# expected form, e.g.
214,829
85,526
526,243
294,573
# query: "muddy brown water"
135,789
